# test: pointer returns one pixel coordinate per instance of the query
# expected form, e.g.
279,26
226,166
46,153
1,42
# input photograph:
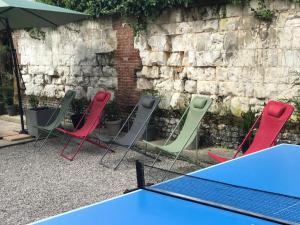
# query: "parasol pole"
16,70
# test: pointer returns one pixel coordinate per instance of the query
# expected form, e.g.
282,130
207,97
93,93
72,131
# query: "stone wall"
75,56
224,53
219,51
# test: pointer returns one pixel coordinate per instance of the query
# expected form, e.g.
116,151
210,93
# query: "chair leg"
123,157
78,149
105,153
65,146
45,141
173,163
36,140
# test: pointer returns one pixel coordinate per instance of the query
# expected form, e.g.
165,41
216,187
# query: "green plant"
112,111
78,105
249,118
33,102
296,102
3,50
8,94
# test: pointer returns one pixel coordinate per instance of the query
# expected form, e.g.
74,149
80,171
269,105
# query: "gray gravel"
38,184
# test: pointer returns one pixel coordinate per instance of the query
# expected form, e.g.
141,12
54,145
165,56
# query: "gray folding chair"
144,109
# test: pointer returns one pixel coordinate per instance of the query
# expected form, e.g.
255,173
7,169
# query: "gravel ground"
38,184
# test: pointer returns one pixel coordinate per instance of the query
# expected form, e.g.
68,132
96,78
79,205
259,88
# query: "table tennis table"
273,171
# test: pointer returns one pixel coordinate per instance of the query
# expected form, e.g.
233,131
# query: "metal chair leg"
123,157
45,141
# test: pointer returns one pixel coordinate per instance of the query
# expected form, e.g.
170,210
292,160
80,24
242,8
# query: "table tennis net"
260,204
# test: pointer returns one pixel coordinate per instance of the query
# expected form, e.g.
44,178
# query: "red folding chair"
271,121
92,117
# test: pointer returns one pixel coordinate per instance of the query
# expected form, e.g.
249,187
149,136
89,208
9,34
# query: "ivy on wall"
143,10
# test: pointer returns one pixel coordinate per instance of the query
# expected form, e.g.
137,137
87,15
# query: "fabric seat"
141,115
194,114
271,121
92,117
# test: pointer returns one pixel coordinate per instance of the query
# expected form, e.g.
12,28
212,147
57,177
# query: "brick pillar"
127,62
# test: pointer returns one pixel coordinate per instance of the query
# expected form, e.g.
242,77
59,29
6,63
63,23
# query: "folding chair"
144,109
194,114
60,115
271,121
92,117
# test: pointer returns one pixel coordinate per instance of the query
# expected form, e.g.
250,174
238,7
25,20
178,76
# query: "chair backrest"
93,116
197,109
145,108
64,106
274,116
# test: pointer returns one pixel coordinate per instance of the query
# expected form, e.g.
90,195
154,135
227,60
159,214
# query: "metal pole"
17,74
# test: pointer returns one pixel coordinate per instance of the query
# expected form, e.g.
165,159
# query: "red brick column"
127,62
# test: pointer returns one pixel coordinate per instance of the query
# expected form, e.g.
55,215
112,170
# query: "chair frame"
170,136
79,147
130,146
46,131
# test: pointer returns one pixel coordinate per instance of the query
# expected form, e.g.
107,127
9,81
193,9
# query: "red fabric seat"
273,118
92,117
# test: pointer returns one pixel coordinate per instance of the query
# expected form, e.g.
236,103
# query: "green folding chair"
60,113
194,114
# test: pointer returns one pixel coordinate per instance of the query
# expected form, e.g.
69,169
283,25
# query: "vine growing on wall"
145,10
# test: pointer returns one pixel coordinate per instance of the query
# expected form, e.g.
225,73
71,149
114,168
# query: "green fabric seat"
194,114
60,115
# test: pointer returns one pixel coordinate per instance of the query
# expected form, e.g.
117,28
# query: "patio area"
38,184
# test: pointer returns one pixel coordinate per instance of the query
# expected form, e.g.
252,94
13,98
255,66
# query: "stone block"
109,71
287,58
211,25
231,41
201,41
179,85
27,78
146,58
39,79
165,85
207,87
158,58
194,73
208,58
144,84
71,80
159,43
178,101
48,79
230,24
222,74
238,105
215,42
190,86
175,59
150,72
181,43
229,88
63,70
167,72
285,38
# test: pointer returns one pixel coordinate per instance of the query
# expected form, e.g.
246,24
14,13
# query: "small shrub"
33,102
112,111
78,105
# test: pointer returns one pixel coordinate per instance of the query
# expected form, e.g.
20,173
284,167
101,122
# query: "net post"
140,176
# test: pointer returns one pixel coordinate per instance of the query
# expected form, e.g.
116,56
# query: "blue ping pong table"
274,170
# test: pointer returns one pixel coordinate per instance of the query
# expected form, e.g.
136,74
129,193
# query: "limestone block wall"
75,56
225,53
